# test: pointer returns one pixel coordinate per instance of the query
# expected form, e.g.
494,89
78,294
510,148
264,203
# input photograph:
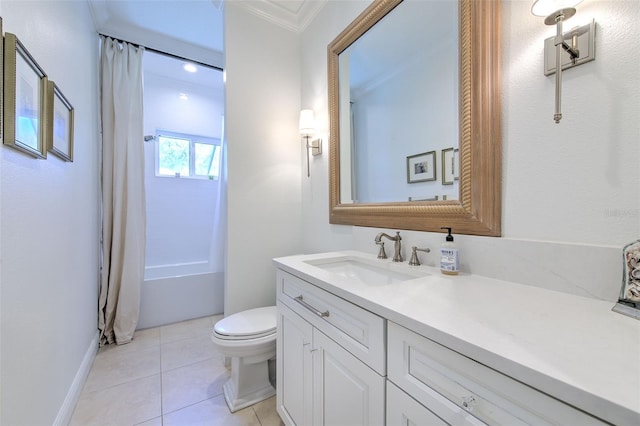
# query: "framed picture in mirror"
448,166
25,85
59,123
421,167
456,164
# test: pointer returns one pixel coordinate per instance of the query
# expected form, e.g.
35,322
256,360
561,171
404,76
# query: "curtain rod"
160,52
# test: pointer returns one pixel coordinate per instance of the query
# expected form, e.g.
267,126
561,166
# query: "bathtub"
179,292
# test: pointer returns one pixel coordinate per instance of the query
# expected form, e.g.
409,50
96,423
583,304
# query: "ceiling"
191,28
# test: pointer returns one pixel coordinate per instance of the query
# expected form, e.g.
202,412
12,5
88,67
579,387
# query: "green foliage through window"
187,156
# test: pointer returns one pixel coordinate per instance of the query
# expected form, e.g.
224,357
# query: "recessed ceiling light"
183,96
189,67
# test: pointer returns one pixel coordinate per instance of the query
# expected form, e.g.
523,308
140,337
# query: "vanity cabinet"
330,358
462,391
436,350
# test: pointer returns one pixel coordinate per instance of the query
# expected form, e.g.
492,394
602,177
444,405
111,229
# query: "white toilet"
249,339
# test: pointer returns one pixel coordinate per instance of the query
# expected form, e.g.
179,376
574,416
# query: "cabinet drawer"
421,366
406,411
357,330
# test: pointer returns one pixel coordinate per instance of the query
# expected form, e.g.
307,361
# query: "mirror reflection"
399,110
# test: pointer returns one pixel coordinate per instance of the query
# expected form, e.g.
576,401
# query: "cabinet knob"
468,402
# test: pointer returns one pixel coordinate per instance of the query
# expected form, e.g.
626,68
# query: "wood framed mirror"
477,208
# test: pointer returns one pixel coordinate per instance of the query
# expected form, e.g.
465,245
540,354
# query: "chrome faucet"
397,256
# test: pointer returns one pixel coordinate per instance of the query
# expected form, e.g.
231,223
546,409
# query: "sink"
371,273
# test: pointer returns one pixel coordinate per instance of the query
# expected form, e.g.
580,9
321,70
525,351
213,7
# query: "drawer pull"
311,308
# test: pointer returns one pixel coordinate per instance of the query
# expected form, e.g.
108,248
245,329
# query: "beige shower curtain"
123,198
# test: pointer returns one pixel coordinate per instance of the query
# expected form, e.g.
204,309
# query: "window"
181,155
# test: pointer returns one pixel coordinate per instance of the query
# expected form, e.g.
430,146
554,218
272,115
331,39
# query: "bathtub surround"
178,293
184,265
123,198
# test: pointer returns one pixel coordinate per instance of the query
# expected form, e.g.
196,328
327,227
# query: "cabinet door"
406,411
345,390
293,367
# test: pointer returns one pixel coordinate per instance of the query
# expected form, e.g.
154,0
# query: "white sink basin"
371,273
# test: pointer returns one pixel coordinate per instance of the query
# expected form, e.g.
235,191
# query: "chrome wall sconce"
570,49
308,129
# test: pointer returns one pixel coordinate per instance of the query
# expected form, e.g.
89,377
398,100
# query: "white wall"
414,111
181,213
567,184
49,228
262,65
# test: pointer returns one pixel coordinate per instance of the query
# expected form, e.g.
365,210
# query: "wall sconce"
307,129
578,45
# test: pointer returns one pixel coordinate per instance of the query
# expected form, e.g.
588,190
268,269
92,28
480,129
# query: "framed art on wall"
24,99
59,123
421,167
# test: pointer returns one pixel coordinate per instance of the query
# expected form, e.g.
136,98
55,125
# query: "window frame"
193,140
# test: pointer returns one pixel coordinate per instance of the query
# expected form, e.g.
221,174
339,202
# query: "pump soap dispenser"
449,260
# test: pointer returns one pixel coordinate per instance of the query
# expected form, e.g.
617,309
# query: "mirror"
468,135
401,103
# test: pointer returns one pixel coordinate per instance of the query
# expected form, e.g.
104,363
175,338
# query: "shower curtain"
123,197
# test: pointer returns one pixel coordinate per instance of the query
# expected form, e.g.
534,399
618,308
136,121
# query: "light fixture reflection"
188,67
307,128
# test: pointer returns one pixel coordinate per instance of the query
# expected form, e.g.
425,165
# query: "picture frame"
456,164
448,166
1,82
24,105
421,167
60,114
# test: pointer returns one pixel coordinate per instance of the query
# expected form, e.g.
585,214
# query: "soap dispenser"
449,260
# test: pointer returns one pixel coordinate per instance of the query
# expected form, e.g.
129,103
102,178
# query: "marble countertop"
570,347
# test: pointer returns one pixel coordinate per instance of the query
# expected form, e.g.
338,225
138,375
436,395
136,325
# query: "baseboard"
66,411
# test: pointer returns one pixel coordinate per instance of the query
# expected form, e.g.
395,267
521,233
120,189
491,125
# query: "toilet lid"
252,323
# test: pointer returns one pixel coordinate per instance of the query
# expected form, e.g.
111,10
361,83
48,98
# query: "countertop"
570,347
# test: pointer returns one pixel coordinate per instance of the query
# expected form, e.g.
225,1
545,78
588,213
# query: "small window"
181,155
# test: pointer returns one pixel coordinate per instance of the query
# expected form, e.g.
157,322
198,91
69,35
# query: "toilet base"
248,385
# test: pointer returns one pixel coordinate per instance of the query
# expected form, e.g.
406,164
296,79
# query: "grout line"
161,390
195,403
88,392
256,414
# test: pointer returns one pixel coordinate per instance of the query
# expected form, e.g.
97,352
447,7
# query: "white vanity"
363,341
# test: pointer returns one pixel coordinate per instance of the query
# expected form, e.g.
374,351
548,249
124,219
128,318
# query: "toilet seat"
247,325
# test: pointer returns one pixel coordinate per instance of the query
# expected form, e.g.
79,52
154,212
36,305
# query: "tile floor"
169,375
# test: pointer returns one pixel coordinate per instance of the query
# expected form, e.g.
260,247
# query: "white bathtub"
179,292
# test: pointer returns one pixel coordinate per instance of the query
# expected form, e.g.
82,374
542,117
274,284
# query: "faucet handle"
414,261
381,254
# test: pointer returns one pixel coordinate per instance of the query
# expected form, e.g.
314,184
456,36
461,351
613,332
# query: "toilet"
248,338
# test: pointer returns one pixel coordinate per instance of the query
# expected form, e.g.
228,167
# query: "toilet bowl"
248,338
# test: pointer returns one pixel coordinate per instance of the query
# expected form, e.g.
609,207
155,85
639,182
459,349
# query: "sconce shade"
307,122
547,7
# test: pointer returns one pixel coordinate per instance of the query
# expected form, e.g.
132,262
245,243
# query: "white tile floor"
169,375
